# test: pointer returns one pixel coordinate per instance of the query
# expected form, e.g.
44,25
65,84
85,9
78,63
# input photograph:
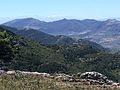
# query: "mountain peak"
31,19
25,22
64,19
113,21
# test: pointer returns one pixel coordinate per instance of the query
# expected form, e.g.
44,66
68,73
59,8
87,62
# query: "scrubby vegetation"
17,53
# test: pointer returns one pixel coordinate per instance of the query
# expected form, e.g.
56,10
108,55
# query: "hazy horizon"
47,19
52,10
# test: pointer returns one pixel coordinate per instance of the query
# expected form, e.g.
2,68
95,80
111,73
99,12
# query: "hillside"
31,56
45,38
41,37
79,57
105,33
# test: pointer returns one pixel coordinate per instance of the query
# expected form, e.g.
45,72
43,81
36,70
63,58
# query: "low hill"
41,37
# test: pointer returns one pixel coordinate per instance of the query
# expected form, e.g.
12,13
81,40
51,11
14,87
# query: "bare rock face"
93,75
96,77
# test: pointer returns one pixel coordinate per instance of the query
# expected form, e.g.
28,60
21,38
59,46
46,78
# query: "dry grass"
35,82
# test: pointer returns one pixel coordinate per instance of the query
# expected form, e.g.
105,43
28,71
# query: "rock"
93,75
62,77
115,84
109,82
10,72
35,73
27,73
96,78
44,74
2,71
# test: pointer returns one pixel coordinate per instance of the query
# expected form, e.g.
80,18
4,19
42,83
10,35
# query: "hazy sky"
45,9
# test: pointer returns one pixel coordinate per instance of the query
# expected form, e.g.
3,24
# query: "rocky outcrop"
28,73
87,78
10,72
96,78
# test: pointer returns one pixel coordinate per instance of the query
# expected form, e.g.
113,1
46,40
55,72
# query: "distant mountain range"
106,33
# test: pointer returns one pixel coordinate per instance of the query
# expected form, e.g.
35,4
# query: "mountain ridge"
45,38
105,33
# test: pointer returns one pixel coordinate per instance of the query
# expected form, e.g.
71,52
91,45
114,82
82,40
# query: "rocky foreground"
87,78
22,80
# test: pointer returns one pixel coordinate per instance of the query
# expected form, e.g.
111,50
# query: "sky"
57,9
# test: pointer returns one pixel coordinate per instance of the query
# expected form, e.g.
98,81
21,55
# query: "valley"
105,33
